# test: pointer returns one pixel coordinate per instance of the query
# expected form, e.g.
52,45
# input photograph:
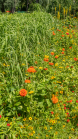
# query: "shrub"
35,7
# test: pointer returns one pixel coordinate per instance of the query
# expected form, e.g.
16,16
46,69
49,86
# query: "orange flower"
27,81
75,59
72,31
51,63
62,52
23,92
63,49
70,47
31,69
54,33
56,56
52,53
45,68
54,99
58,30
46,59
36,62
62,35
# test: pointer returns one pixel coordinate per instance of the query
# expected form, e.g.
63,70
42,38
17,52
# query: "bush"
35,7
0,12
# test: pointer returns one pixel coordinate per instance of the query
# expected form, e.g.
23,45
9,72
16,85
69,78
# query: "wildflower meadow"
38,76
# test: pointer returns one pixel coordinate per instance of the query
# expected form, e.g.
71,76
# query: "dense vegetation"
38,76
51,6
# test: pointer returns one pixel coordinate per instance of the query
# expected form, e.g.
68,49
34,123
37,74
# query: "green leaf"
2,137
17,104
9,114
14,108
0,102
19,123
13,136
43,93
12,89
40,104
48,102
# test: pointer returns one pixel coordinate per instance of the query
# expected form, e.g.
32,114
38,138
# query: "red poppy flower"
75,59
76,101
67,66
73,91
67,113
51,63
54,99
8,124
69,101
52,112
67,33
31,69
45,68
65,108
23,92
68,120
0,116
46,59
62,52
27,81
70,47
52,53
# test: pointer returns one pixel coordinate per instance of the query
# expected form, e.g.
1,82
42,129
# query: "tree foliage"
26,5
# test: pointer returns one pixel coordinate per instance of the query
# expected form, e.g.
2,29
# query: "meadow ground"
38,76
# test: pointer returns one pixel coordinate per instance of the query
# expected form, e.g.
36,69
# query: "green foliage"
35,7
38,5
25,40
50,7
11,3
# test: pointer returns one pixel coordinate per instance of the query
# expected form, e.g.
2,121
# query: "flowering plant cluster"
38,84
